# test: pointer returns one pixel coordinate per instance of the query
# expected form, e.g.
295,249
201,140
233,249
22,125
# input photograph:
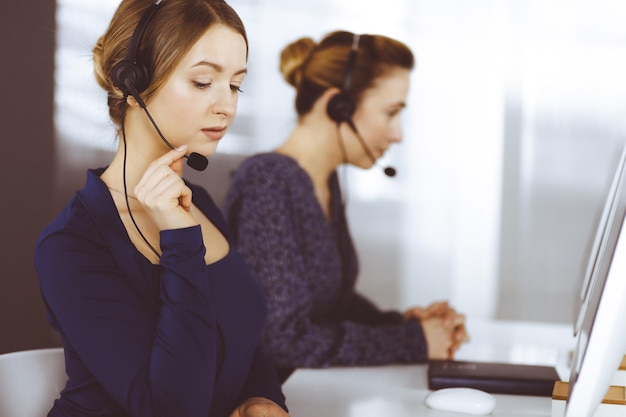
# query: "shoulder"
64,243
267,168
74,221
80,226
267,180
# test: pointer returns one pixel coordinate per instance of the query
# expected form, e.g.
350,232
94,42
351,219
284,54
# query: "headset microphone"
194,159
132,76
341,107
389,171
197,161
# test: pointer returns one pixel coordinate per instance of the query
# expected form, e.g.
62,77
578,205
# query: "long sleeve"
176,339
262,381
360,309
151,364
315,319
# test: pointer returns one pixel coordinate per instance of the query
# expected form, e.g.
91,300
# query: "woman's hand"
163,193
448,321
438,338
437,309
259,407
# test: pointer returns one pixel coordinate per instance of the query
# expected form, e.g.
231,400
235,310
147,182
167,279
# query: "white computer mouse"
462,400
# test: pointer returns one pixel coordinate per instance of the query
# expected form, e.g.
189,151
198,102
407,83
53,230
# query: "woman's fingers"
169,160
163,193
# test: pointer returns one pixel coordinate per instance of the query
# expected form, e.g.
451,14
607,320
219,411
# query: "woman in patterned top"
285,210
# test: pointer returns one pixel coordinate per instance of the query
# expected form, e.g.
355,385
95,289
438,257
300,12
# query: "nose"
225,102
395,134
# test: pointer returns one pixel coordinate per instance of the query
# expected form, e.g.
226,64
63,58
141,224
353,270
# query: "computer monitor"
601,332
597,261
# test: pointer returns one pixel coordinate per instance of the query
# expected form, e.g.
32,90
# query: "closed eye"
201,86
236,88
396,111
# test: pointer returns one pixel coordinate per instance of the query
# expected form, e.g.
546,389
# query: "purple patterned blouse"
307,266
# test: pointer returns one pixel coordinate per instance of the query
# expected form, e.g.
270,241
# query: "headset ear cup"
340,108
123,75
126,74
143,77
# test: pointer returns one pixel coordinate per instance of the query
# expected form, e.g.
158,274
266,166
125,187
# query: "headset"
341,107
132,76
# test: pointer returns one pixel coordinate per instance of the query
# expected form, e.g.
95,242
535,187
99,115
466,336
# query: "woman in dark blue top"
158,314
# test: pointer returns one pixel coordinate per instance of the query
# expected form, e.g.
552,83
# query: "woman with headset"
286,211
158,314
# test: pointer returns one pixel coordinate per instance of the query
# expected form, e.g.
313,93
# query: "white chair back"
30,381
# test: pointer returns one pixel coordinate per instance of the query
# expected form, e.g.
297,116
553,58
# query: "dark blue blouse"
178,339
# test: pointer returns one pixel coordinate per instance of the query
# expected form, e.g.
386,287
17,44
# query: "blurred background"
515,122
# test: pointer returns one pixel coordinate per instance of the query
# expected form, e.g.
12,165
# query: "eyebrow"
218,67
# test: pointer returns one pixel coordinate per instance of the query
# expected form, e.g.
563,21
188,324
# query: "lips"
214,133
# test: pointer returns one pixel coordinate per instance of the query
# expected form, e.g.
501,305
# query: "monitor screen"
598,261
601,332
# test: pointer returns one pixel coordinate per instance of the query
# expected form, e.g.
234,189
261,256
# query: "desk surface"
399,390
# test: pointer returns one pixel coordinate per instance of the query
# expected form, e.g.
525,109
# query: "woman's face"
377,117
198,102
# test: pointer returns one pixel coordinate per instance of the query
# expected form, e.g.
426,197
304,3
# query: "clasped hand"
444,328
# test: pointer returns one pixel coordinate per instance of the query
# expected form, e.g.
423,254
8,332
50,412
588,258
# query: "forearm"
300,343
401,342
152,357
362,310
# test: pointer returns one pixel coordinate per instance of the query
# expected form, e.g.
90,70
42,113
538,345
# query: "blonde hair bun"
293,57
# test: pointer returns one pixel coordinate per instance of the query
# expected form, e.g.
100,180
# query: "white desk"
399,390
